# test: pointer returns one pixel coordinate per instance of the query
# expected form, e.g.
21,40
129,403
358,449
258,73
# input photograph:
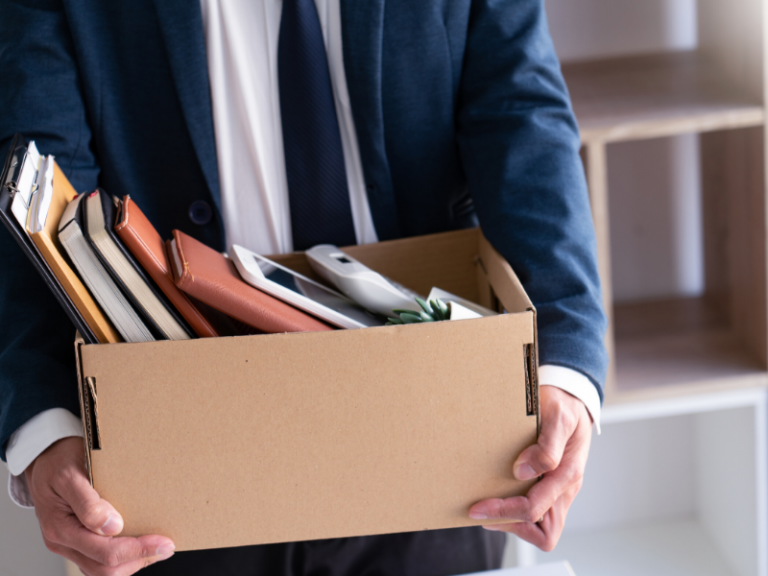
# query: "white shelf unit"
673,487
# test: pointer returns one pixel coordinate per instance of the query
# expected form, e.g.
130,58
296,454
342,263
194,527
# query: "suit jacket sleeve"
519,146
40,96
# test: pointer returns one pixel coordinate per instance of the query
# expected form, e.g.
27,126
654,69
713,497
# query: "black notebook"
99,217
93,274
9,181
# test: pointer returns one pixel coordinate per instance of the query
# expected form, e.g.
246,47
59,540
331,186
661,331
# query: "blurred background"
655,205
670,99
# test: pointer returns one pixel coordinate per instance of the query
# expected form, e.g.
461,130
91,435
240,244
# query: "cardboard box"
257,439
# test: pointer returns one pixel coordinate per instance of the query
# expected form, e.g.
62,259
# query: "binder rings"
9,181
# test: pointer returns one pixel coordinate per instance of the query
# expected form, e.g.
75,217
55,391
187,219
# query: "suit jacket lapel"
181,23
362,35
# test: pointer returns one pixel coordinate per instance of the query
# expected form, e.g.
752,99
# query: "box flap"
503,279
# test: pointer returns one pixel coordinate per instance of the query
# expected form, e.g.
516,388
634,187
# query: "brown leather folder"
212,278
146,245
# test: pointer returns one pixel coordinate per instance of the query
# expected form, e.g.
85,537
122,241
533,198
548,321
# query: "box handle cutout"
92,418
531,390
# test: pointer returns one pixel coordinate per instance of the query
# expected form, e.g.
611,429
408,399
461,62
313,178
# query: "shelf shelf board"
675,347
672,548
639,97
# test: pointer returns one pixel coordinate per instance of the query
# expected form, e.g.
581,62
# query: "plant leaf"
401,311
410,318
425,306
436,308
444,310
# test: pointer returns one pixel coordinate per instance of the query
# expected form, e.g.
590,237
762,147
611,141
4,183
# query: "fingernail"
112,526
478,516
525,472
165,550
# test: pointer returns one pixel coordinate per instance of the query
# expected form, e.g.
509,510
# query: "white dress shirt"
241,39
241,43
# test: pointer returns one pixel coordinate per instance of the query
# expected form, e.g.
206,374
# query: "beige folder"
47,241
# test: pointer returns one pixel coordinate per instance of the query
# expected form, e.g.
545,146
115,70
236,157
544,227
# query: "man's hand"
79,525
560,456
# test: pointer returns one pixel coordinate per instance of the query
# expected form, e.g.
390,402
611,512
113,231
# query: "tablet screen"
309,288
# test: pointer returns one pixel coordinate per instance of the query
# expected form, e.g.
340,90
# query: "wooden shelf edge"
624,131
683,405
617,396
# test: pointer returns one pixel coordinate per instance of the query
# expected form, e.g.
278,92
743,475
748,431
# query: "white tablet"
300,291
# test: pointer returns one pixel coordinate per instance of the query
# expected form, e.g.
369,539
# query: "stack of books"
110,269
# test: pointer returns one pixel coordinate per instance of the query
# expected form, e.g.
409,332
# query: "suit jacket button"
200,212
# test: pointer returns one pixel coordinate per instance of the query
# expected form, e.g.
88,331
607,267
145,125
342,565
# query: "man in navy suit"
433,116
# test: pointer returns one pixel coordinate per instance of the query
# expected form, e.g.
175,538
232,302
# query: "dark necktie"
314,158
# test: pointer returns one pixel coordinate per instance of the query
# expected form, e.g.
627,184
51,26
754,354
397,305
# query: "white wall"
656,225
654,198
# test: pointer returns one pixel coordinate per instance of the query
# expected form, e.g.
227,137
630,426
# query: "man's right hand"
77,524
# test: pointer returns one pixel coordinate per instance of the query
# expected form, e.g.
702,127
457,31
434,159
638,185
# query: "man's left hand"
560,456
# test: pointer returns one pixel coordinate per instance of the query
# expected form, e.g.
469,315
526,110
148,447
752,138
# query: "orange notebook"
212,278
47,242
146,245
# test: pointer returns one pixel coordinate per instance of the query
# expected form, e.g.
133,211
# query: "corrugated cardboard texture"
257,439
233,441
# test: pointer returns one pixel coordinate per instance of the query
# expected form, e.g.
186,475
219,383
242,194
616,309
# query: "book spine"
78,293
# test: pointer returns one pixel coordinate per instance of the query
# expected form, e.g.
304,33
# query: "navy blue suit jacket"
461,113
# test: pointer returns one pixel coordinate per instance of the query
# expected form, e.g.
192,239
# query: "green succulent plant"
431,311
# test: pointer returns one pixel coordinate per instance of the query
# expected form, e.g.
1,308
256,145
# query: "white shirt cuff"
30,440
576,384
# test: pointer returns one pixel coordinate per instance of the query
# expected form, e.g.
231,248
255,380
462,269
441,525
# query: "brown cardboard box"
247,440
